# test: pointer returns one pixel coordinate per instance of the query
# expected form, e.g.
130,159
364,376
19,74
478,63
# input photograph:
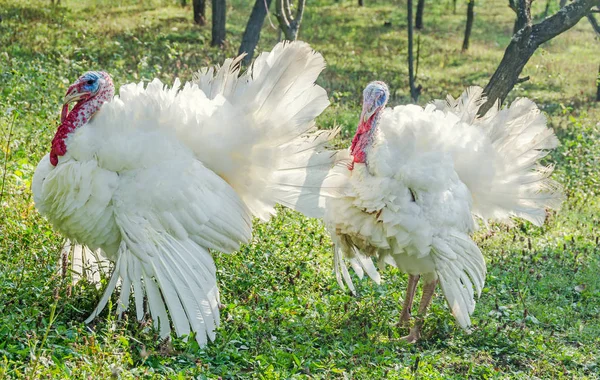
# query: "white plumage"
84,263
428,172
161,175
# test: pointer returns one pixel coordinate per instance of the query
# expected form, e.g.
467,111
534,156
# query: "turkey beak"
73,94
369,108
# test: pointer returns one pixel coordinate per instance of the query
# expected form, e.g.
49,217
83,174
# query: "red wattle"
58,142
64,113
360,142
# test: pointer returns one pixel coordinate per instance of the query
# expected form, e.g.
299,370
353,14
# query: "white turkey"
158,176
417,179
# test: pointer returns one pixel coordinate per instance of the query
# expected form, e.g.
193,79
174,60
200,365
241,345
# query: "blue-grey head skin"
88,85
375,97
91,81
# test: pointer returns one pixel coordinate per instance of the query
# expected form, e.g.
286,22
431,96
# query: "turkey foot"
413,335
411,288
415,331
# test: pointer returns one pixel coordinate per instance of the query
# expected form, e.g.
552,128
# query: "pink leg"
413,280
415,331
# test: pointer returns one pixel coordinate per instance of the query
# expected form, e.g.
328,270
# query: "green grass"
285,316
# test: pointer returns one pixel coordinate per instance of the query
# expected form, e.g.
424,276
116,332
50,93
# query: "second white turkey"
417,179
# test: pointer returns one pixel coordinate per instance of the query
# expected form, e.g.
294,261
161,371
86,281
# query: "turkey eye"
91,81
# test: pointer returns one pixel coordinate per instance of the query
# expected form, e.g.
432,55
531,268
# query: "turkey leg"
413,280
415,331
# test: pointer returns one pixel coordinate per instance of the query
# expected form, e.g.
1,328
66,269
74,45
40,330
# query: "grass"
284,314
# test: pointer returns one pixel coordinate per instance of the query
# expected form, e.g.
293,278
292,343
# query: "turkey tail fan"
520,186
461,271
84,263
219,80
466,106
270,151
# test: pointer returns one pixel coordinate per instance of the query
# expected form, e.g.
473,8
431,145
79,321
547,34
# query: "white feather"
84,263
501,168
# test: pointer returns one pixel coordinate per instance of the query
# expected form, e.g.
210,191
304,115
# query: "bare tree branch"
288,24
524,13
525,42
523,10
594,23
280,13
288,9
300,12
563,20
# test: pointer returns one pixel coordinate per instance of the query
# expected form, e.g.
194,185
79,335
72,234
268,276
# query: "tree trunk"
288,23
598,86
199,11
469,27
361,3
524,44
594,24
414,91
419,15
523,10
219,7
596,27
453,7
253,27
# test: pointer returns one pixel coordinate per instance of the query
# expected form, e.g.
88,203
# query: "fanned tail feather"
466,106
520,186
278,100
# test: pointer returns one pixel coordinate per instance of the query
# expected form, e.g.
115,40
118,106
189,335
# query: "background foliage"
284,314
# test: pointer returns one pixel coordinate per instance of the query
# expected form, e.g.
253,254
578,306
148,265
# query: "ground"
285,316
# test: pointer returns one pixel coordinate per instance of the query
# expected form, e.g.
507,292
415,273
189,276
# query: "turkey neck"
363,138
81,113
